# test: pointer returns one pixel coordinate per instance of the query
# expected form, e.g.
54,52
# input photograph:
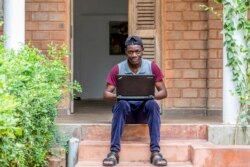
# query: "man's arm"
108,93
161,90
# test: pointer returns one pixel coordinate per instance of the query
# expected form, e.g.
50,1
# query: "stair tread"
162,142
132,164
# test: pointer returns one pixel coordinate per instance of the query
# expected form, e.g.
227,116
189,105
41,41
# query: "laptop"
135,87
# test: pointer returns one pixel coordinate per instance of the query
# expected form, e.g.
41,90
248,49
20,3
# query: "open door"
144,20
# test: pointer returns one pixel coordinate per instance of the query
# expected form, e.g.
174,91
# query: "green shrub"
32,84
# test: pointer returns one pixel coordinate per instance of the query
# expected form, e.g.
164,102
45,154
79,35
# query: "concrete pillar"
14,23
231,104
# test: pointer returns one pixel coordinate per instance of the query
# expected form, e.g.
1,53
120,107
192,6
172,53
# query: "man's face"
134,54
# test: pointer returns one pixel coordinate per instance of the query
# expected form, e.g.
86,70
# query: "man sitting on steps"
140,111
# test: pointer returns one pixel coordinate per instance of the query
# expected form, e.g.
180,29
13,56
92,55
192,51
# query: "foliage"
238,54
31,86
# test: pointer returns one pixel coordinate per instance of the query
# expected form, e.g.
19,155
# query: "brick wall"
215,58
192,55
48,21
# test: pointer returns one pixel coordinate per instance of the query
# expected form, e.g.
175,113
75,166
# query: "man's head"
133,40
134,49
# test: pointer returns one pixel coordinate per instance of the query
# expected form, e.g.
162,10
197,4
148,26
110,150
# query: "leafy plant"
32,84
238,54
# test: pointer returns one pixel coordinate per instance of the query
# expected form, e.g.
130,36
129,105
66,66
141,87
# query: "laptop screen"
135,86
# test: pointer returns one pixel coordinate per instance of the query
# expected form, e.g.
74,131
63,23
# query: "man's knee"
120,107
152,104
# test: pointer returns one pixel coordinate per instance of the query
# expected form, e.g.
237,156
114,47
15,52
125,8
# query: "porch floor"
100,112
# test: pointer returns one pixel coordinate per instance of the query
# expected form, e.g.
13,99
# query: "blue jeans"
135,112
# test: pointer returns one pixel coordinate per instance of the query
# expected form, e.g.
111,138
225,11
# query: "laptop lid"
135,87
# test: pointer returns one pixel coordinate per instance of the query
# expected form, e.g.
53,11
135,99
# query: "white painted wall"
92,61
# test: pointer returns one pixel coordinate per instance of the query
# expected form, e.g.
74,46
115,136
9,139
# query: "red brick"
28,35
61,7
28,16
215,63
170,45
203,93
168,26
191,35
198,83
58,35
213,53
199,25
212,93
174,93
189,73
49,7
38,35
56,16
220,53
31,25
219,93
39,16
215,83
215,24
189,93
176,16
220,73
191,54
213,73
215,103
213,34
215,44
198,44
196,6
169,103
183,6
203,16
51,26
191,15
198,64
182,25
169,6
174,54
182,102
32,7
173,74
182,64
203,35
177,35
198,103
169,83
182,44
169,64
202,73
203,54
36,44
181,83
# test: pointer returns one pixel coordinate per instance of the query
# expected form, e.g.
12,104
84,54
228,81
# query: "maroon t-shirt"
111,78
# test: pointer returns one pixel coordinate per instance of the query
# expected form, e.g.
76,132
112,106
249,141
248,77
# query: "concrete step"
222,156
132,164
172,150
139,132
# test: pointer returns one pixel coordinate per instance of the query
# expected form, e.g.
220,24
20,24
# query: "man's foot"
157,159
111,160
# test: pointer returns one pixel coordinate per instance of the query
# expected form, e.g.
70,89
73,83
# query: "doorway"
92,59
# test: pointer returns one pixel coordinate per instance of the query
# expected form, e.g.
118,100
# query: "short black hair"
133,40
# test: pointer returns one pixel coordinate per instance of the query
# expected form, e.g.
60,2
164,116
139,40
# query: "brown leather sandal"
157,159
111,160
